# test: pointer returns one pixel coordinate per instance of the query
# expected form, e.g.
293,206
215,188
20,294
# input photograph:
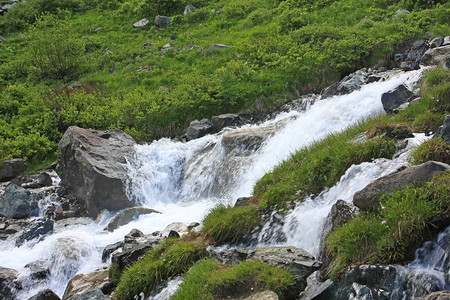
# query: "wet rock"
127,257
438,56
402,11
266,295
189,9
414,56
198,129
38,229
129,215
192,226
8,284
440,295
314,287
91,295
33,181
444,130
92,165
177,227
38,270
45,295
373,78
219,47
109,249
446,41
11,168
436,42
162,22
247,139
341,212
141,23
16,202
84,283
360,292
368,198
393,99
347,85
225,120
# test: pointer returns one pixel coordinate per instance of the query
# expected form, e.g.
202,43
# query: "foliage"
209,280
169,259
433,149
227,224
318,166
385,236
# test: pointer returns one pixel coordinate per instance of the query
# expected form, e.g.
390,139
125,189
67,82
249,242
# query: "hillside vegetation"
279,49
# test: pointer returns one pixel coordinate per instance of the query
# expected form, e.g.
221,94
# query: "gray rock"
146,45
11,168
444,130
368,198
219,47
341,212
247,139
414,56
189,9
45,295
314,287
399,57
92,165
2,39
266,295
126,258
38,270
360,292
75,85
436,42
91,295
33,181
198,129
97,29
353,83
226,120
127,216
8,284
84,283
446,41
38,229
162,22
192,226
176,226
141,23
173,36
16,202
402,11
437,56
396,97
440,295
109,249
166,47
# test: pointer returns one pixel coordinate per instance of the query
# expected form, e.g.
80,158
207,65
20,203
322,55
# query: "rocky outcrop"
162,22
437,56
127,216
414,56
198,129
395,98
8,283
38,270
247,139
314,287
126,258
9,169
348,84
84,283
45,295
444,131
17,202
109,249
91,164
37,229
368,198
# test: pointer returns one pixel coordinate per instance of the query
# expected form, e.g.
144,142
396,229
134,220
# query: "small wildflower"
383,208
383,222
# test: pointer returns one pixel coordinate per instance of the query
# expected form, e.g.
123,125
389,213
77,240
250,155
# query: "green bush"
210,280
386,235
433,149
165,261
226,224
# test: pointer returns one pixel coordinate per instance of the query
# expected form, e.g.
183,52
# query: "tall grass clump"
210,280
170,259
434,149
227,224
386,235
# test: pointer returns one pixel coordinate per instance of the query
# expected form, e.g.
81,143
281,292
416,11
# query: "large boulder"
395,98
45,295
11,168
368,198
437,56
84,283
16,202
128,215
92,165
247,139
197,129
8,283
225,120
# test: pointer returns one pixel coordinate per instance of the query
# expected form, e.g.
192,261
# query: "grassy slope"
280,49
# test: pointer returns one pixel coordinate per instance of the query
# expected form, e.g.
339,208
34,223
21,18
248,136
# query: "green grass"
318,166
210,280
226,224
169,259
435,149
385,236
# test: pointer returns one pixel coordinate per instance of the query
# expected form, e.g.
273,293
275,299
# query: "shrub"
54,51
390,130
210,280
433,149
386,235
170,259
226,224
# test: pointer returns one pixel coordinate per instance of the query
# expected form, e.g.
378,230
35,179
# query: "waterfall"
184,180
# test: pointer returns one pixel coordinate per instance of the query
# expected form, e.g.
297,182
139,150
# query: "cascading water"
184,180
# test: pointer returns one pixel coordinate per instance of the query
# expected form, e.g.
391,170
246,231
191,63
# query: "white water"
184,180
